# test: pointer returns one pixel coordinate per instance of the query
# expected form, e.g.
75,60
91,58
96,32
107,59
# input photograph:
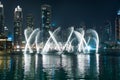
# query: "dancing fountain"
85,41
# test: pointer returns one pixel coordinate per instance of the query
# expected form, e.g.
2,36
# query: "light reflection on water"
55,67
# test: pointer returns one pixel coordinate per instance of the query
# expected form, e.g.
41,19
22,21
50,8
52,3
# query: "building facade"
46,16
30,21
46,21
1,19
18,17
117,27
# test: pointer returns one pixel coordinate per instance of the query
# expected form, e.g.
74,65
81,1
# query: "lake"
56,67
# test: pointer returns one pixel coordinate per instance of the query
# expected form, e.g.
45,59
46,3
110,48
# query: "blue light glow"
118,12
53,24
10,36
89,48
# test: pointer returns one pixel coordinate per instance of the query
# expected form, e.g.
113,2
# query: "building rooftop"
18,8
46,5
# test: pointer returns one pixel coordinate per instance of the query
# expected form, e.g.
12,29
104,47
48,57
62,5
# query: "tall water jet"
86,40
28,40
94,33
82,43
72,29
37,43
54,40
46,47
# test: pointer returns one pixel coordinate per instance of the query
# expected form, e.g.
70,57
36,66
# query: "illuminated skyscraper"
46,16
46,21
30,21
18,17
29,24
1,19
117,27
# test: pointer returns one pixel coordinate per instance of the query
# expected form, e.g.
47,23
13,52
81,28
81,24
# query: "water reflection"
109,67
55,67
11,68
4,66
17,67
29,66
39,73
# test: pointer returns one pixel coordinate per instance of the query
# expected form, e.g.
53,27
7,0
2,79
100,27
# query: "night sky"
65,13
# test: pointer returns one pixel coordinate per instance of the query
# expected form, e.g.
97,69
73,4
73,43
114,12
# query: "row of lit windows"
48,12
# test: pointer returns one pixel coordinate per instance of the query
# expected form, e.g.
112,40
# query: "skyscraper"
107,31
46,21
117,27
46,16
1,19
18,17
29,24
30,21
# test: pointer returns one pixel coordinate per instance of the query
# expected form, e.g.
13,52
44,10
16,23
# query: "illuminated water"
75,41
54,67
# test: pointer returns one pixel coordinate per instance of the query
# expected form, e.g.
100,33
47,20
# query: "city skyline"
59,39
64,13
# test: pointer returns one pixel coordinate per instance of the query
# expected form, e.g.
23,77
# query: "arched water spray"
28,39
94,33
54,40
82,46
53,44
46,47
72,29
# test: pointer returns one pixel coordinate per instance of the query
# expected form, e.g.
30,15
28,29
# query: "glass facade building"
30,21
46,16
117,27
18,17
46,21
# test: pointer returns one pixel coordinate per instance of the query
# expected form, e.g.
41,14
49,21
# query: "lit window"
48,13
44,8
48,19
16,32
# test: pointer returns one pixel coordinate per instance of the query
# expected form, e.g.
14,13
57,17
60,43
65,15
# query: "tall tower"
107,31
117,27
30,21
29,24
46,21
18,17
1,19
46,16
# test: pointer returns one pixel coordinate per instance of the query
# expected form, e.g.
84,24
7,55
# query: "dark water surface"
55,67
